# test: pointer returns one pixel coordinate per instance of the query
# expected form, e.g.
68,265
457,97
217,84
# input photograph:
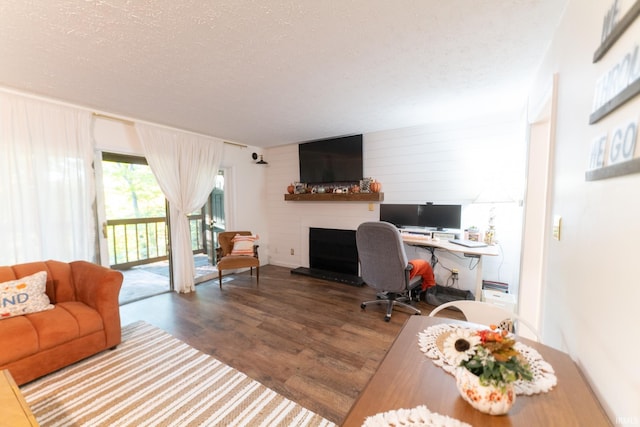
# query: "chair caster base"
387,318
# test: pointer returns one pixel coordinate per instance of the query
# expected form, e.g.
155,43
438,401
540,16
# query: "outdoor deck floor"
151,279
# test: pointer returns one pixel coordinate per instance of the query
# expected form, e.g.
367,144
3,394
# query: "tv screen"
440,216
399,215
332,160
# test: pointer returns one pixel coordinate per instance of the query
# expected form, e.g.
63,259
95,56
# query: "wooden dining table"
407,378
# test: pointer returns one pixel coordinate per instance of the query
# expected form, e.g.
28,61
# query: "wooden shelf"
335,197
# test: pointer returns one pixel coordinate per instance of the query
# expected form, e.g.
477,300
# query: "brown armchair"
227,260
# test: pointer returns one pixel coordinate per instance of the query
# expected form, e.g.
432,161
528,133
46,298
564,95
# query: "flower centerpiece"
488,365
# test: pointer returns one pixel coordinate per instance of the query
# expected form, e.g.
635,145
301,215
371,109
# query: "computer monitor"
400,215
440,217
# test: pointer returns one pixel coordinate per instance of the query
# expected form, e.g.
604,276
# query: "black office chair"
384,266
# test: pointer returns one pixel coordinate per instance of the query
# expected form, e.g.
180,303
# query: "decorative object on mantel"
364,185
320,189
437,343
367,190
418,416
300,188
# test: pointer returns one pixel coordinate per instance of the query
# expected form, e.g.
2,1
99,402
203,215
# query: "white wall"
444,163
591,296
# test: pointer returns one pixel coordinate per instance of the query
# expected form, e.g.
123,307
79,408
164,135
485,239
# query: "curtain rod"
117,119
237,144
132,123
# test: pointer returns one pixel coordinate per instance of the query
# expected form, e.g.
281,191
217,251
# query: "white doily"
544,378
416,417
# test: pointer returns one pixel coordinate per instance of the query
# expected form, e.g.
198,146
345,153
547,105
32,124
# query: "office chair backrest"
487,314
383,261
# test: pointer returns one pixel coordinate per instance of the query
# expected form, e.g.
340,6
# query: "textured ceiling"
274,72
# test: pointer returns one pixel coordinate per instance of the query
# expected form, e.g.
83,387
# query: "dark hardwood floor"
303,337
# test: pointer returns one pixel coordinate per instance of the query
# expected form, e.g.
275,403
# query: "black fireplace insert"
333,255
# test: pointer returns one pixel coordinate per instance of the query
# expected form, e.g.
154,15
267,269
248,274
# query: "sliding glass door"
134,233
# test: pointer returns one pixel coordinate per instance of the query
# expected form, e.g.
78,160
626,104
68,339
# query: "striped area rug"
154,379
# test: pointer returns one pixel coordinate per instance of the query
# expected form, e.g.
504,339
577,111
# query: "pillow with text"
25,295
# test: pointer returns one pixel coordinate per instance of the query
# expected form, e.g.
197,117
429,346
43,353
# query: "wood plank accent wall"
446,163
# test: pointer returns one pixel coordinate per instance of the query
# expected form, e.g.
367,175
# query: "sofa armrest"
99,288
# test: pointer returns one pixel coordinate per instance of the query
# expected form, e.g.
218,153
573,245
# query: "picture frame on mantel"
365,185
299,188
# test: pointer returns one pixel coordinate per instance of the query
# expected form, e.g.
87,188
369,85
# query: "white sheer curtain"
186,166
46,182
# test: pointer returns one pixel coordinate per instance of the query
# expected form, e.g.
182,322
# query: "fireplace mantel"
335,197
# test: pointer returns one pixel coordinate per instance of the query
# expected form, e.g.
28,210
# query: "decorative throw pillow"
26,295
243,245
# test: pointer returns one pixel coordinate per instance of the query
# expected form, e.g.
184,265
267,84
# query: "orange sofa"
84,320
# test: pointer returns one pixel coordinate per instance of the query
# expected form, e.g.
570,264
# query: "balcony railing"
138,241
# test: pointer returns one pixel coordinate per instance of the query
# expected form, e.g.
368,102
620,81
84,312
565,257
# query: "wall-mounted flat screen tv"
335,160
440,217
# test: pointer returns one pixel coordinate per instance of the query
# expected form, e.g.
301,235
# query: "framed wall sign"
612,153
612,30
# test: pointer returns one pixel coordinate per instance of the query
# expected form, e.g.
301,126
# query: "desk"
407,378
427,242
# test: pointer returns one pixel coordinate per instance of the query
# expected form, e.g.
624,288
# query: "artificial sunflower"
460,346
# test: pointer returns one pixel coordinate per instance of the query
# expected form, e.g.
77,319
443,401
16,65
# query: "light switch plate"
557,226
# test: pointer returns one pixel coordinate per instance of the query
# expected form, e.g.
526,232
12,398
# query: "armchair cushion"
23,296
243,245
